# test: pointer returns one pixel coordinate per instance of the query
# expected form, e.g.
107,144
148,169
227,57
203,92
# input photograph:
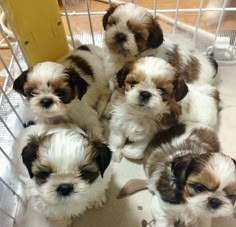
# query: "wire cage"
210,27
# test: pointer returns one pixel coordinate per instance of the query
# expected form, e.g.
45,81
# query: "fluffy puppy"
149,91
131,31
68,91
192,182
67,171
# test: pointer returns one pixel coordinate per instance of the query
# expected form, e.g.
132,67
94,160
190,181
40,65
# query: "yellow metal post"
38,27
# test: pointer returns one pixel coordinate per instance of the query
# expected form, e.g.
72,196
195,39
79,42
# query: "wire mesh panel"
82,21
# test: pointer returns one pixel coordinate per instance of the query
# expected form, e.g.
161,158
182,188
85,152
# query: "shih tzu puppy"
63,171
74,90
192,182
149,92
132,32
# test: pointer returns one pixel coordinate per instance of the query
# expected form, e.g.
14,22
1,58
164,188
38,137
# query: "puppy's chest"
138,128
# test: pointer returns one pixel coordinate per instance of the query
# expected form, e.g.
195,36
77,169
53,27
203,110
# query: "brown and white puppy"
149,89
131,31
192,182
68,91
63,171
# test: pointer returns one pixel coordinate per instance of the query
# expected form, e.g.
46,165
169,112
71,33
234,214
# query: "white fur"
86,112
133,122
199,105
65,151
116,60
194,211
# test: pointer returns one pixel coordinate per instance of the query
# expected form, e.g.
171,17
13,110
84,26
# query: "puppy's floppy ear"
29,154
18,84
77,82
155,38
121,75
108,14
180,89
181,168
102,156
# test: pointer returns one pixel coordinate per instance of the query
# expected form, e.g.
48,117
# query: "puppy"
67,171
132,32
74,90
149,90
192,182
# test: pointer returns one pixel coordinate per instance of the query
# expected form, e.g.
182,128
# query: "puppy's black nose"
145,96
46,102
120,37
65,189
214,203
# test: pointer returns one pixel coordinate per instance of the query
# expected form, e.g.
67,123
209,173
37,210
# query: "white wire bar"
8,215
68,22
8,129
197,22
6,156
90,21
234,49
233,9
155,7
11,48
219,24
6,68
10,188
176,15
12,107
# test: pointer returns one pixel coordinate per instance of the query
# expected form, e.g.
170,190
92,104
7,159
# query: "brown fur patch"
204,177
207,138
30,86
58,83
174,59
82,64
191,70
162,137
141,32
188,72
63,89
137,77
216,96
109,12
230,189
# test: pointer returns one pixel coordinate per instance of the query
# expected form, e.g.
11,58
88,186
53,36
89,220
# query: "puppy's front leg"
87,118
65,222
113,98
116,143
135,149
161,218
205,222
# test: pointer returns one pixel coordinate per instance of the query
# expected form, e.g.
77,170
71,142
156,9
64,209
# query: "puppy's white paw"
66,222
117,156
101,201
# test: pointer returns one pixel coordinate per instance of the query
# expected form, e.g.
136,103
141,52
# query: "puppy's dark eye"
60,92
132,83
138,35
34,93
112,21
41,176
232,197
89,173
198,187
162,91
